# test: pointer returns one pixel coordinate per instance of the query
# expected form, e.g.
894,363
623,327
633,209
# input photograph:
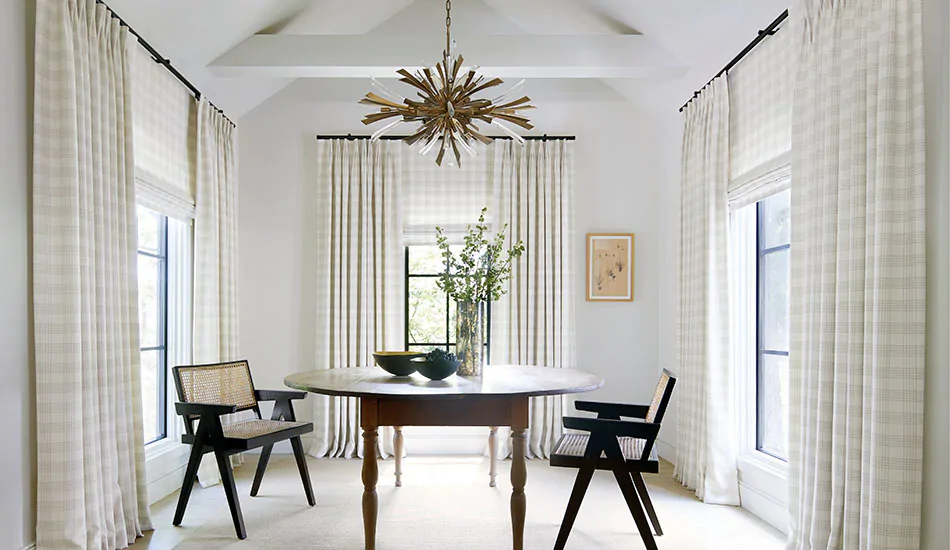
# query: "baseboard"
666,450
764,507
165,485
30,547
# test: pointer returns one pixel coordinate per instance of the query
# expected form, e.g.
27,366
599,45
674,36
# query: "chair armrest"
202,409
279,395
615,410
617,428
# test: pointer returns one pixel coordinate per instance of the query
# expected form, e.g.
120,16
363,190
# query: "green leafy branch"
483,266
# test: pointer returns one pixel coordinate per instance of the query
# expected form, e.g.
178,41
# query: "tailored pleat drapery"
91,483
858,277
216,334
359,278
706,448
533,324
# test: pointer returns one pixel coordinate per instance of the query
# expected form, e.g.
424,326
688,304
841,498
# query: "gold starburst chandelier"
448,111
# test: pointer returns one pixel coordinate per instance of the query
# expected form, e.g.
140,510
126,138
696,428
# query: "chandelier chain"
448,27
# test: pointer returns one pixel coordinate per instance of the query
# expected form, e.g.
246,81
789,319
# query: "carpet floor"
444,503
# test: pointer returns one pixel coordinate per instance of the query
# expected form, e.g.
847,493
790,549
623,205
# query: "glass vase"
470,342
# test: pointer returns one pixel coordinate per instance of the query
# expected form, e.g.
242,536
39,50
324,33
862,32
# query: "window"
430,313
773,242
153,324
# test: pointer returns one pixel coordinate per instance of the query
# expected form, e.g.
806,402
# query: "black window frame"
162,341
448,343
761,351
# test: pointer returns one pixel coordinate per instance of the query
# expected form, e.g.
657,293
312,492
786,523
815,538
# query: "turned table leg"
519,471
492,455
519,476
397,450
370,424
370,477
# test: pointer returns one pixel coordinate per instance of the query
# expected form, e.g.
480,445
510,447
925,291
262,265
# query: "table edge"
415,397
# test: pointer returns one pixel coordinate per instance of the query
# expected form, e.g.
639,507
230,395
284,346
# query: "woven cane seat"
249,429
569,452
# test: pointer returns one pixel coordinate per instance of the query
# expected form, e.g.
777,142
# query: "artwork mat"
631,256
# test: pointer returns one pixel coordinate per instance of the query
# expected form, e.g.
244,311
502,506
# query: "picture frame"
610,267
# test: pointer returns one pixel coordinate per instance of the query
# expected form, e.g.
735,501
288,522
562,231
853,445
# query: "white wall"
17,498
936,498
618,180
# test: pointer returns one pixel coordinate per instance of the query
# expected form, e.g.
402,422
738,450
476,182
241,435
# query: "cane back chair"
626,447
205,393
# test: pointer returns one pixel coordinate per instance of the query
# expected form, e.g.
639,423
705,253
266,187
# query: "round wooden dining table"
498,398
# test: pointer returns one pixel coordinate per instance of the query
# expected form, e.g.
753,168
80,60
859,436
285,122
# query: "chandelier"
448,111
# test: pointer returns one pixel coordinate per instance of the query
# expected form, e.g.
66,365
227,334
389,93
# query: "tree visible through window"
774,248
153,302
430,314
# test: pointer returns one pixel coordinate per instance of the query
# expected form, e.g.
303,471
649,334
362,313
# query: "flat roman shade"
760,120
164,133
449,197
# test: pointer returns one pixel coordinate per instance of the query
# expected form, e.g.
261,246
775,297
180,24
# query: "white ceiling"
630,49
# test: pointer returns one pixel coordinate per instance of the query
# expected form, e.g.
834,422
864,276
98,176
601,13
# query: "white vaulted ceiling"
241,52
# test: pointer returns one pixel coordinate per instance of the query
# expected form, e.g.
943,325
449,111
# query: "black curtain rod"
163,61
768,31
545,137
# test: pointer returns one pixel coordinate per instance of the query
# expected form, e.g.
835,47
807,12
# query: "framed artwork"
610,267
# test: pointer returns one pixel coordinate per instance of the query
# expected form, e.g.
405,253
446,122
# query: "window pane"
773,405
777,225
150,229
150,296
425,260
775,300
150,405
426,311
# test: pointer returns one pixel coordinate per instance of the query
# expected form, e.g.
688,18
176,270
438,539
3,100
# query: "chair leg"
261,466
647,502
633,503
227,479
302,468
584,475
191,473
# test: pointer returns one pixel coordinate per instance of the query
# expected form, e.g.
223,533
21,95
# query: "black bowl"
397,363
436,370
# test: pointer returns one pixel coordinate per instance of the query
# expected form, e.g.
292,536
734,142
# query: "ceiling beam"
506,56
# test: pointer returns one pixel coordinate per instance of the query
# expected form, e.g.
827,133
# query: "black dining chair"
205,393
625,447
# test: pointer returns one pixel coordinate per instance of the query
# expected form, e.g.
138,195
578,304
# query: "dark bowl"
436,370
397,363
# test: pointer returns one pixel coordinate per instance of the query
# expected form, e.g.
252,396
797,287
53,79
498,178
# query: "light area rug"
445,503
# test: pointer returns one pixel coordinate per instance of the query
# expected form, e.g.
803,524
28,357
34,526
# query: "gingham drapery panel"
533,192
165,130
760,115
91,485
858,277
706,448
216,240
215,336
358,278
